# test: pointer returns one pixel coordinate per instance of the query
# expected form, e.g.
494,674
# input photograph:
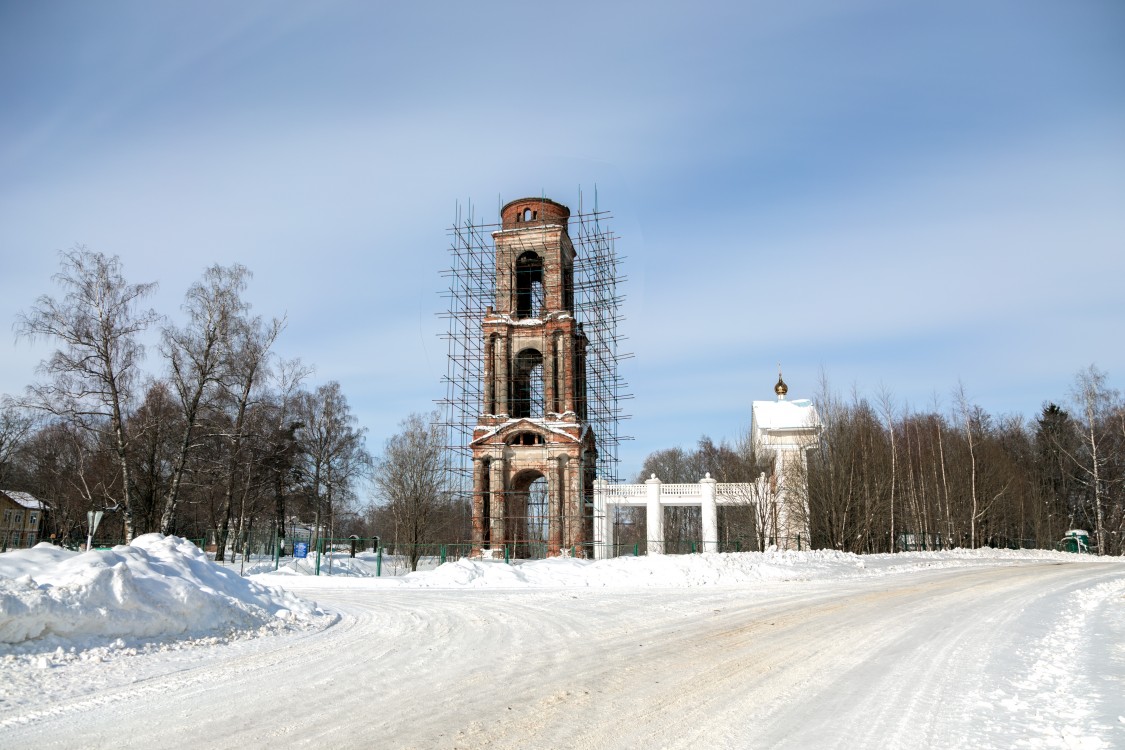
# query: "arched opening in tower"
527,385
529,286
529,520
538,520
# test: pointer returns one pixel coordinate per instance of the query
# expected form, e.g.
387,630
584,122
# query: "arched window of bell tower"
568,287
491,367
527,385
529,285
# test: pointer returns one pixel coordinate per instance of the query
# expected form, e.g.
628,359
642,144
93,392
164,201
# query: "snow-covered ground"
153,645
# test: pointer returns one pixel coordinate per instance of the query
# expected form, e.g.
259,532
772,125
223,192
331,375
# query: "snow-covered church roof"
782,415
785,415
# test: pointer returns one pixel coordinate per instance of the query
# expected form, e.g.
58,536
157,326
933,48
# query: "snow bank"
705,569
157,587
658,570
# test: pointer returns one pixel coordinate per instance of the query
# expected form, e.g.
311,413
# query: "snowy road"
989,656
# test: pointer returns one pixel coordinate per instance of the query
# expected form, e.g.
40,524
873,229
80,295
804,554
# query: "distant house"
20,518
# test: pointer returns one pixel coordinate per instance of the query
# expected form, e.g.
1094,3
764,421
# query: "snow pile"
158,586
677,571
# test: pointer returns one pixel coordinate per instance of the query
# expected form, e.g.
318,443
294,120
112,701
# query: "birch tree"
888,410
97,324
246,357
1094,400
964,412
195,355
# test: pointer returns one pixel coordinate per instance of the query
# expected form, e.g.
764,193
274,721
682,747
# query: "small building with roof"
21,516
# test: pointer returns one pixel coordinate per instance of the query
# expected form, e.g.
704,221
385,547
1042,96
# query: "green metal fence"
373,556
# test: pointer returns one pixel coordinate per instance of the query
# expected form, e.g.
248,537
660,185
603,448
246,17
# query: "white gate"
654,495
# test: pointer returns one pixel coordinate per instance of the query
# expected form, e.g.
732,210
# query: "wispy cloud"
901,194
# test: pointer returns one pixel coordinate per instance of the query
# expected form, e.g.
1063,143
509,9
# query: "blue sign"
300,549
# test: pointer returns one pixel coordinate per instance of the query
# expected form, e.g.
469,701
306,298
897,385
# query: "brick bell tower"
534,454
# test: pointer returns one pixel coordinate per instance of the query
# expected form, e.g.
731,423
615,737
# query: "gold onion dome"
780,389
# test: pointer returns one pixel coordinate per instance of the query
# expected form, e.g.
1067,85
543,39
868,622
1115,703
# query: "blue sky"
900,194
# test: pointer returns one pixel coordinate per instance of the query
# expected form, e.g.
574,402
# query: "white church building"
787,430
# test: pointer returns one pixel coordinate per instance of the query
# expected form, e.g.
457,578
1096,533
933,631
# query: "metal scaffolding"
471,289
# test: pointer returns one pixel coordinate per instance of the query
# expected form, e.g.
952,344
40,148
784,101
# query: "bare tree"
673,466
1095,401
155,426
97,324
195,359
333,449
67,467
848,475
750,468
965,413
246,358
283,447
410,477
16,425
889,411
1057,441
726,463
